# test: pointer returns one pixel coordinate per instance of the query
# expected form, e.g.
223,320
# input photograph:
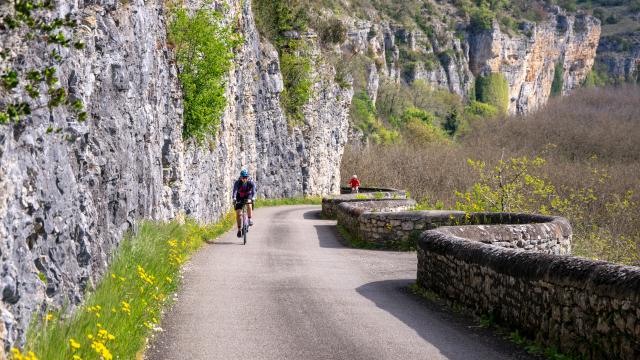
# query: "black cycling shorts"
240,202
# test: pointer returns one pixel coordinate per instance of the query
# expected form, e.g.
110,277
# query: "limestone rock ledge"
67,198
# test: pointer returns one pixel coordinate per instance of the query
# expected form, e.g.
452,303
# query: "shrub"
493,89
296,75
333,32
280,21
558,81
481,19
204,50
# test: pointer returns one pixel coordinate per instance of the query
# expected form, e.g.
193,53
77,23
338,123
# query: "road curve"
294,292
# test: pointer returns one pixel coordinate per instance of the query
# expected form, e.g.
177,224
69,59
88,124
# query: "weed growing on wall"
35,26
203,48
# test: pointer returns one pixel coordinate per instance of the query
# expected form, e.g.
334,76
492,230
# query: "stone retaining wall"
330,204
573,304
387,223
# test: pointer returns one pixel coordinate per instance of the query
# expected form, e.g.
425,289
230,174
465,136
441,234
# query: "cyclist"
244,191
355,184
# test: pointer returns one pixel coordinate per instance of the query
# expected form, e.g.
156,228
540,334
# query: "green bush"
204,50
417,114
558,81
481,19
493,89
333,32
480,109
278,20
296,74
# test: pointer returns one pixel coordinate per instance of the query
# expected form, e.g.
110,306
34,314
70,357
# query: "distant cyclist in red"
244,191
355,184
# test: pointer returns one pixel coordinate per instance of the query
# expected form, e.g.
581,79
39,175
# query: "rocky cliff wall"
454,59
67,197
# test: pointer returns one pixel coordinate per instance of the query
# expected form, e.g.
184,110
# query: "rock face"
526,58
620,55
67,198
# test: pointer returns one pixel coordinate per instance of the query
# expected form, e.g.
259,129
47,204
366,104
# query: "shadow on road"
328,236
312,215
436,324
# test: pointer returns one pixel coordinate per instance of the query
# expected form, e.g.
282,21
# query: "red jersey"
354,183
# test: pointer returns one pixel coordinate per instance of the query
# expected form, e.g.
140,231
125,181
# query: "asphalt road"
295,292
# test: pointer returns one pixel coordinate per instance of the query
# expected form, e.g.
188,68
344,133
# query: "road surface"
295,292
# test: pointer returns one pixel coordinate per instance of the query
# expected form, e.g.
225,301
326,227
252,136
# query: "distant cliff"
454,59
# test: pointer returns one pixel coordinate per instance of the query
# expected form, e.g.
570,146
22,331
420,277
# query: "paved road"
294,292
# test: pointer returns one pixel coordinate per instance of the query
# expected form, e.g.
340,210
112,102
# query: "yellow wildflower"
49,317
76,357
74,344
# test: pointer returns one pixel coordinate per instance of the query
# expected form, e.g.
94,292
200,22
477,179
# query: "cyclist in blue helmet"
244,191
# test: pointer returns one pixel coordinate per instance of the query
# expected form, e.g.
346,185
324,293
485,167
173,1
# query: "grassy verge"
125,308
310,200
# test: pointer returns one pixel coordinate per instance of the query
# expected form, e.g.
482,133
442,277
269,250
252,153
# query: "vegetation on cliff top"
284,22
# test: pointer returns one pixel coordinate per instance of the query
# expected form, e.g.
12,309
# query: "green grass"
126,306
309,200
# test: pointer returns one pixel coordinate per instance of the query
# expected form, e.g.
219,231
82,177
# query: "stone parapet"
330,204
386,223
573,304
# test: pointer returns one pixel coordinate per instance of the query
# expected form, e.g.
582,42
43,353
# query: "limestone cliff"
453,60
68,196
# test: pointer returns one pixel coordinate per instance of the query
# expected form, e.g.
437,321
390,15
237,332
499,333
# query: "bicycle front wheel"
245,230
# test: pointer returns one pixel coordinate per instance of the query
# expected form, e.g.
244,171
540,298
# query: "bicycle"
244,221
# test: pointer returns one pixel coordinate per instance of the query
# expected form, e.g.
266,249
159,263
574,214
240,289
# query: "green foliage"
417,114
127,304
282,21
296,74
480,109
558,81
596,78
481,19
363,116
493,89
333,32
509,186
204,50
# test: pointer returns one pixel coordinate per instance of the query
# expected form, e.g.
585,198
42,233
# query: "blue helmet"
244,173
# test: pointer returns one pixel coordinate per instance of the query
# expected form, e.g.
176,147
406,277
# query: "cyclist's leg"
238,208
250,212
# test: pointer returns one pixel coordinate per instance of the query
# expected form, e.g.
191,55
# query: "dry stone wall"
387,222
575,305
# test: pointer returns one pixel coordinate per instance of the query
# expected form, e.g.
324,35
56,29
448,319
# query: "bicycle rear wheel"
245,225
